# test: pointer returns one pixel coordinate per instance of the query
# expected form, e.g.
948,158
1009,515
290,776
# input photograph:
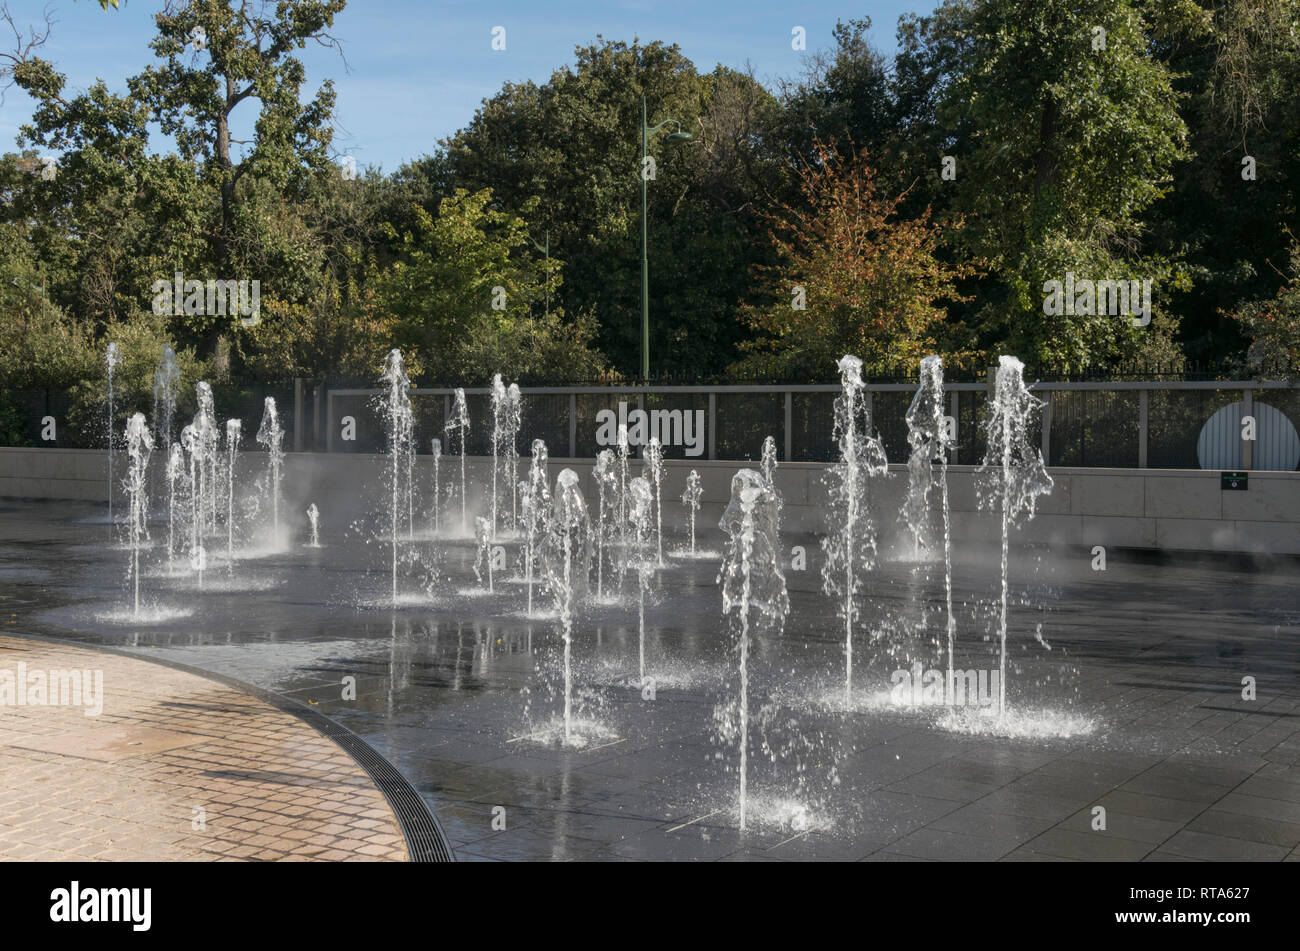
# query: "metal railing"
1113,424
1130,424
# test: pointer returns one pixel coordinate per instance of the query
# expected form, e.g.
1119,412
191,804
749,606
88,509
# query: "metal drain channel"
425,840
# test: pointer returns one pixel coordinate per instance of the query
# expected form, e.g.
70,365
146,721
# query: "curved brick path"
129,784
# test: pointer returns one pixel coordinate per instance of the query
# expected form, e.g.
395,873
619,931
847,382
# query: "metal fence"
1129,424
1132,424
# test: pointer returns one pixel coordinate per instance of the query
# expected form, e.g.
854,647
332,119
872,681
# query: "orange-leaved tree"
850,275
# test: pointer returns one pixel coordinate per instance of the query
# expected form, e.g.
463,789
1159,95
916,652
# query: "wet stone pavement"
1125,692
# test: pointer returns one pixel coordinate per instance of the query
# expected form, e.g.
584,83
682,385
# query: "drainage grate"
424,837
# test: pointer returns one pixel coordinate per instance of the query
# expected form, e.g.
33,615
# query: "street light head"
679,137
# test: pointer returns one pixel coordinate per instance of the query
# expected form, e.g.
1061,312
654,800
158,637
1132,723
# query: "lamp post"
648,132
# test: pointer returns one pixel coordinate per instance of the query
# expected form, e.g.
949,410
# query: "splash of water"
271,435
458,423
435,450
535,498
111,360
166,383
930,442
654,465
483,557
623,451
233,427
498,402
400,425
753,587
139,445
691,499
191,444
640,510
606,479
850,546
514,419
175,468
313,518
1012,475
207,439
566,558
767,468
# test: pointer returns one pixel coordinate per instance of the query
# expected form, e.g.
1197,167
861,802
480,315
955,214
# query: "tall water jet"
111,360
514,420
233,427
139,444
606,488
175,468
654,463
536,498
483,555
566,557
850,545
498,404
271,435
1012,475
624,450
691,498
767,468
640,512
400,422
930,442
206,442
313,519
751,581
191,444
166,383
435,450
459,423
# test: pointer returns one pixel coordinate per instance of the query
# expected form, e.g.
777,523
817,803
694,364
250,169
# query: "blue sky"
416,71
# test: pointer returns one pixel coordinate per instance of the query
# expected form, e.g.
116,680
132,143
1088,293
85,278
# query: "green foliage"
467,294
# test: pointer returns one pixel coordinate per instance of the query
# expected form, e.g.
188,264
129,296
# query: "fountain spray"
930,441
139,444
1012,475
270,435
166,380
207,439
435,448
313,518
566,557
514,421
111,360
233,427
537,499
498,402
175,466
606,486
191,443
850,547
623,452
459,422
751,579
401,422
654,464
691,498
640,507
483,556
